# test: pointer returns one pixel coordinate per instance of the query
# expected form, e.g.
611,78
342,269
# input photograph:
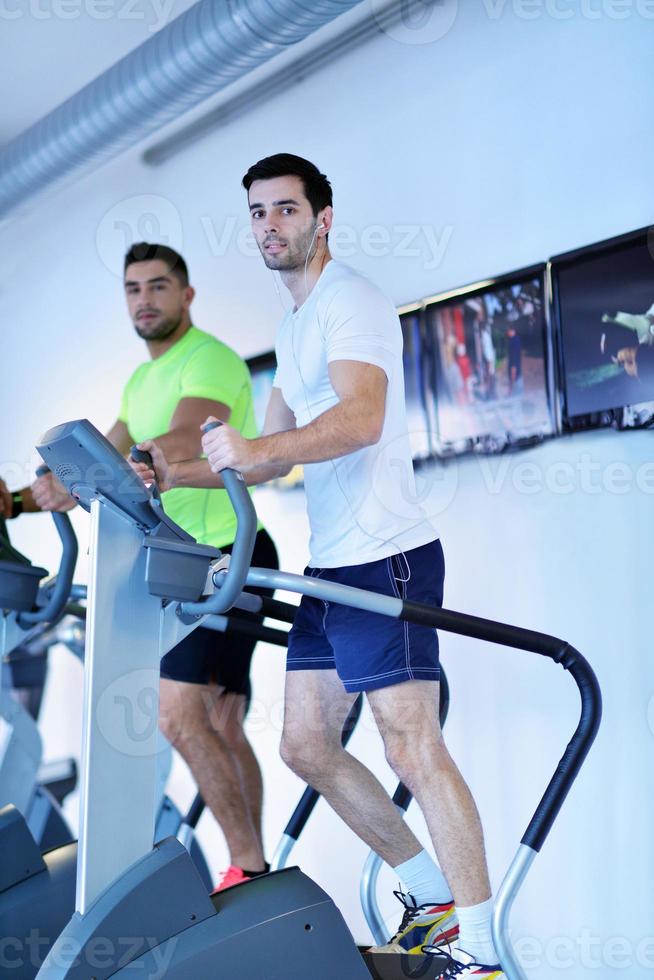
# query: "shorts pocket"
400,568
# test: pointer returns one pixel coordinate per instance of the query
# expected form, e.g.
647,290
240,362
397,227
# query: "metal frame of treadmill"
555,649
124,673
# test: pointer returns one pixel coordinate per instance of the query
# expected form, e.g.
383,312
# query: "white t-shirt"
362,507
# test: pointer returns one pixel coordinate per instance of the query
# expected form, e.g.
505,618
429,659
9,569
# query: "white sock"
424,880
475,932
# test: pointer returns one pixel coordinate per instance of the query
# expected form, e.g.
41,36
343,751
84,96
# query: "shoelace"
453,968
410,912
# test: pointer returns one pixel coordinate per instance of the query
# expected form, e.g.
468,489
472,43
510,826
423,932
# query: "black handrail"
561,653
247,627
284,612
58,598
231,582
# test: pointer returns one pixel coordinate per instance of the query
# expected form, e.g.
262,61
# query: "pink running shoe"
232,876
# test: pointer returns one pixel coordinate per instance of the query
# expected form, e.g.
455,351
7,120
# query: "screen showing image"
415,383
605,302
262,369
488,371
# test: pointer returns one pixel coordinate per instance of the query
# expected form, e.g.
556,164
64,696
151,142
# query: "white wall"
516,134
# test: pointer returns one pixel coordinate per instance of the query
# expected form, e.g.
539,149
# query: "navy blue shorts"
366,649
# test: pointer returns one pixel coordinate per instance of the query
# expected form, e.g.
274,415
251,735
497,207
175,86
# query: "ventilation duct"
213,44
379,20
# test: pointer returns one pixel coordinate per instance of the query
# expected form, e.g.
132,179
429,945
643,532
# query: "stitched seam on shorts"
407,653
314,573
299,660
391,673
402,555
407,638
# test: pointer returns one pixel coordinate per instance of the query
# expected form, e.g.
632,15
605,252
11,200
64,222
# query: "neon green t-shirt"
197,366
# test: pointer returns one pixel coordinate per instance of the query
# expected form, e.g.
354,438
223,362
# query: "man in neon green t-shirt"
205,682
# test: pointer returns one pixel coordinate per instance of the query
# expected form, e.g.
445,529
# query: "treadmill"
143,911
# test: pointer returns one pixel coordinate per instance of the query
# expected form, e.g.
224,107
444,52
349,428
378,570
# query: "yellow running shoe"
422,925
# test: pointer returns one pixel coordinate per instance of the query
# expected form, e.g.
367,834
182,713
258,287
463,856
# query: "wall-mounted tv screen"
604,311
262,369
415,365
489,351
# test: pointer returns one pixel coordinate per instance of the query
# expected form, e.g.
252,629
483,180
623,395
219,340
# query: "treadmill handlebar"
480,629
143,456
230,584
60,592
576,750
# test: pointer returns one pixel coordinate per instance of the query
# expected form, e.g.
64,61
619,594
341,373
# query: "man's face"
283,222
156,299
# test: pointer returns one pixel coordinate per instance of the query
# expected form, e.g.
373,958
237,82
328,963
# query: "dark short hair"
145,252
317,189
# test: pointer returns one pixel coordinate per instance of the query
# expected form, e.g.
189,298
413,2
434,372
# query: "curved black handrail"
56,603
475,627
232,581
561,653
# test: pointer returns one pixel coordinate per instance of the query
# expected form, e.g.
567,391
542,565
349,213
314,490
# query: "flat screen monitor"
489,362
262,369
415,381
604,313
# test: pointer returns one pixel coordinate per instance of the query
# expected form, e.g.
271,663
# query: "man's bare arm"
198,473
6,505
183,439
119,437
30,505
355,422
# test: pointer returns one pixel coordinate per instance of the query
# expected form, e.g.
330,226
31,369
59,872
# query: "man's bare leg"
227,716
185,718
316,707
407,718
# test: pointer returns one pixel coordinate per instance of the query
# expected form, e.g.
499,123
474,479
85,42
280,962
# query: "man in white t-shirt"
337,406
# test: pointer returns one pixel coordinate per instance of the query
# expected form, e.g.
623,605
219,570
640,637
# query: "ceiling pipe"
378,21
211,45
